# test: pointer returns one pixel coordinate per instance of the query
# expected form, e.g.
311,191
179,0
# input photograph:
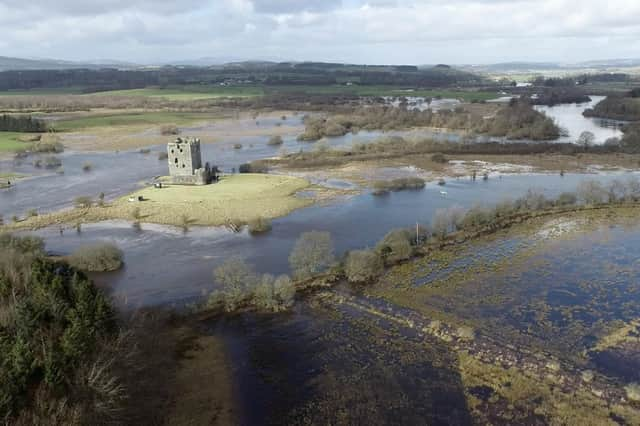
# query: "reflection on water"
320,366
560,294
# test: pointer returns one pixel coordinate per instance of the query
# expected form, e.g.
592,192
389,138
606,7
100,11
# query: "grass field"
9,141
241,197
385,91
129,118
43,92
187,93
190,93
236,198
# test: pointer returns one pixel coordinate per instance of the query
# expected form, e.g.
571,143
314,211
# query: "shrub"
46,145
32,213
169,129
87,166
567,199
259,225
477,217
97,258
591,192
236,280
135,213
275,140
274,294
83,202
395,246
48,162
465,333
311,254
24,245
363,266
534,200
439,158
255,167
162,155
447,220
237,146
633,391
381,187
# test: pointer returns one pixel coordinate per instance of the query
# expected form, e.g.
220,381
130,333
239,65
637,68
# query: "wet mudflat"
542,330
334,366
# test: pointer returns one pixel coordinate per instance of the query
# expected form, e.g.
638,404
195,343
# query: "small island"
190,195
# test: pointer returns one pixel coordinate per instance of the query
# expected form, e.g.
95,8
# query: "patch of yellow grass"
241,197
237,198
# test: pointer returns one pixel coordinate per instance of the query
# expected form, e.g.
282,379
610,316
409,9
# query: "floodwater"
570,118
561,294
182,264
326,364
332,363
118,173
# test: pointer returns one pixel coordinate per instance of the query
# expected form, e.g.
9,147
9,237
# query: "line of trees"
518,120
21,123
616,108
313,253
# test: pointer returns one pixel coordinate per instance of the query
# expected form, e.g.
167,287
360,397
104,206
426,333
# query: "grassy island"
235,199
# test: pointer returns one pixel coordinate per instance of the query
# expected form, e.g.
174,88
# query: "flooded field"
551,303
183,263
118,173
540,309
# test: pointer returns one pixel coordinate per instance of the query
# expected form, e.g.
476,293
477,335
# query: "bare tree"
586,139
312,253
236,279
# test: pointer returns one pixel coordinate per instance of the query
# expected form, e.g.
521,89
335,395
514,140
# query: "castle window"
176,161
172,151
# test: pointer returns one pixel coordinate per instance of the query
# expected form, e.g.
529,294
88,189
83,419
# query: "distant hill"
541,67
13,64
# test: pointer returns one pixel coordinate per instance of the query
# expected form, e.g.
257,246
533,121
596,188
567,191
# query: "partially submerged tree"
236,280
396,245
100,257
363,266
311,254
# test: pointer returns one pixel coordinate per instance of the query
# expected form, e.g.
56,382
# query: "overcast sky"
358,31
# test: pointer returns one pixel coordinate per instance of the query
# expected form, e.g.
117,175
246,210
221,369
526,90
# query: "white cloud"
373,31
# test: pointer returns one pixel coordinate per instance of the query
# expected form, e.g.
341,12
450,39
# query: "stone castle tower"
185,162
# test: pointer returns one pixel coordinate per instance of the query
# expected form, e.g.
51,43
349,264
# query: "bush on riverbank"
363,266
616,107
395,246
48,162
275,140
240,286
259,225
311,254
518,120
21,123
382,187
101,257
